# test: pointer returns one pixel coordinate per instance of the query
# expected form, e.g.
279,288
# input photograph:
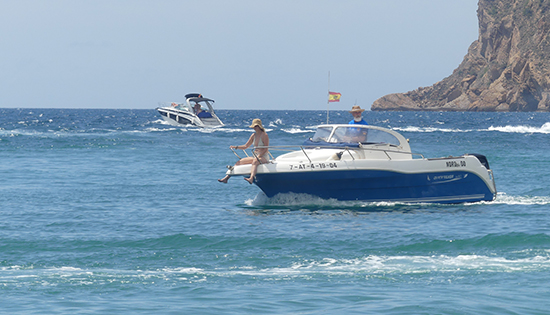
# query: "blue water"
114,211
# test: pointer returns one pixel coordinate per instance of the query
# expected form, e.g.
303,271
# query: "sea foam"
545,129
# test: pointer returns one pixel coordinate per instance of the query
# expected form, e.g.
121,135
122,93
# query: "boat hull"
379,167
441,180
175,117
182,118
380,185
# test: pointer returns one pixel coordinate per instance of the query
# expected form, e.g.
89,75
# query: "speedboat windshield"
380,136
322,134
353,134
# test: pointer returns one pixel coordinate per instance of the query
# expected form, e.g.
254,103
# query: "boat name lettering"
456,163
312,166
443,177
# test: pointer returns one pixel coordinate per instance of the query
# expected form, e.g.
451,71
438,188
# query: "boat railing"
292,148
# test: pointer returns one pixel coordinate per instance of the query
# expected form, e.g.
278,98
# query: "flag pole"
328,93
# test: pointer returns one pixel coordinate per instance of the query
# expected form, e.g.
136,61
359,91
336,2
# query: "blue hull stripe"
373,185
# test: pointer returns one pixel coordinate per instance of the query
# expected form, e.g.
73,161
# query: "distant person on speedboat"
197,108
201,113
260,139
357,112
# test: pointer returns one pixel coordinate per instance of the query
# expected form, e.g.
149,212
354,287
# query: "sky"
244,54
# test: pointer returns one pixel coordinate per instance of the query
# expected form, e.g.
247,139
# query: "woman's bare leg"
225,179
253,170
246,160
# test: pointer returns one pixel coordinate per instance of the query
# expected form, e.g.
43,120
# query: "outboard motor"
482,159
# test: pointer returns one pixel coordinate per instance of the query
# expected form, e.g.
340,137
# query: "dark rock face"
506,69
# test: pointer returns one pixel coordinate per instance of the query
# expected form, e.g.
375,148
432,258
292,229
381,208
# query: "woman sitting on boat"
260,139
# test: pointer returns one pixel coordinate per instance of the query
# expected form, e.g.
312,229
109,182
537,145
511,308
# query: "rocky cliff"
506,69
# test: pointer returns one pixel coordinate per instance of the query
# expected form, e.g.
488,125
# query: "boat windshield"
354,134
181,107
380,136
322,134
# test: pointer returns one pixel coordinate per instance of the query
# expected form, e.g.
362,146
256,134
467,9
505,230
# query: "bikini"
260,143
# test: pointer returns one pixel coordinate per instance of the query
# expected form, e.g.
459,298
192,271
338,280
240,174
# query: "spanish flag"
334,96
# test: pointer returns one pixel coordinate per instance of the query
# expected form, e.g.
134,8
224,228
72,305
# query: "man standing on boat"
357,111
357,134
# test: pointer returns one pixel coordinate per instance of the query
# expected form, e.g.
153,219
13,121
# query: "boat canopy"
196,97
199,99
192,95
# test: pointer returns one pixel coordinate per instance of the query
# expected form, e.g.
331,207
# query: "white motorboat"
370,163
196,110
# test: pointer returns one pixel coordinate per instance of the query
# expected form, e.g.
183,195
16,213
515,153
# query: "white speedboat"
196,110
360,162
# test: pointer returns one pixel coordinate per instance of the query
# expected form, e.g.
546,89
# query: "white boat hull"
179,118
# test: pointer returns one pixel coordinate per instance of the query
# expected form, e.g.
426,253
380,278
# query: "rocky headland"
506,69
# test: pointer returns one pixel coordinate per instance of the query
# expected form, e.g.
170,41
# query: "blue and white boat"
196,110
374,164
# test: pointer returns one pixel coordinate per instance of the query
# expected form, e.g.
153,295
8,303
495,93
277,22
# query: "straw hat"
356,108
257,122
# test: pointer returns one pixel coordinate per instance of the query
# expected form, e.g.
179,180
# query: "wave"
304,201
277,126
18,132
275,123
161,122
153,129
160,126
290,201
296,130
401,264
544,129
372,266
503,198
428,129
93,132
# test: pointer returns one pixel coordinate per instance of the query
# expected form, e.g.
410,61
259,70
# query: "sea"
114,211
